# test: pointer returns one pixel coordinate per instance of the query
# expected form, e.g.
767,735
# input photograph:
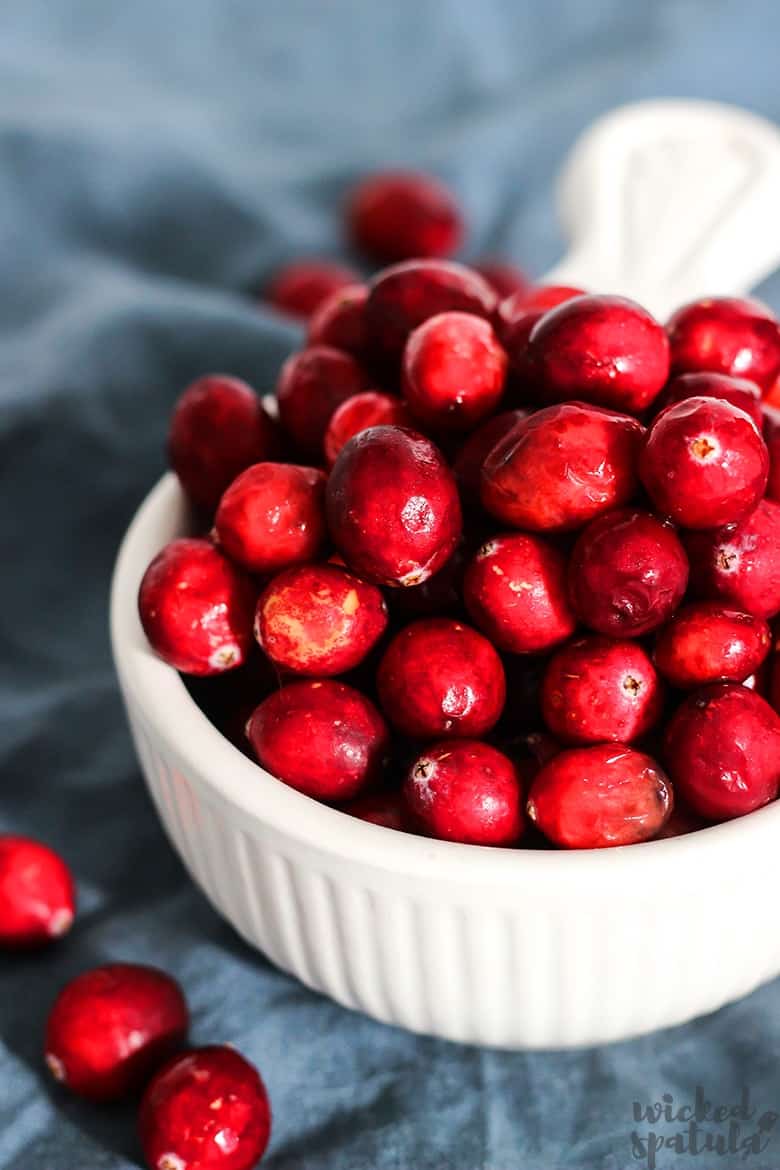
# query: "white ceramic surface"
514,948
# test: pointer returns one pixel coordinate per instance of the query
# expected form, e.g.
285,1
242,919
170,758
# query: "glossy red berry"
726,335
535,300
370,409
299,288
771,431
469,461
340,321
311,385
397,215
112,1027
740,564
37,893
738,391
708,642
506,280
206,1110
466,791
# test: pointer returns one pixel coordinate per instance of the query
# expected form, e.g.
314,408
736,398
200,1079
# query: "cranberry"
440,594
772,439
273,516
472,455
682,821
704,463
324,738
396,215
37,894
514,337
111,1027
206,1110
561,467
708,642
725,335
301,287
312,384
740,564
370,409
738,391
722,748
196,608
218,427
402,297
340,321
628,573
319,620
393,506
601,349
440,678
381,808
466,791
535,300
599,689
506,280
594,797
515,591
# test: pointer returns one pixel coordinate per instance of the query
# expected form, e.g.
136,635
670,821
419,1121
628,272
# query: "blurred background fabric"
158,160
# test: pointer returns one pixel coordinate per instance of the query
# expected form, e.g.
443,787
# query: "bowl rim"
260,798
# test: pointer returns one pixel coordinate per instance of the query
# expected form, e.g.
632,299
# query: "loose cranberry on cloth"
340,321
312,383
738,391
197,608
466,791
396,215
740,564
709,642
301,287
726,335
369,409
37,893
111,1027
206,1110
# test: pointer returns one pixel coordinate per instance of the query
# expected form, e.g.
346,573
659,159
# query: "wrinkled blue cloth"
157,159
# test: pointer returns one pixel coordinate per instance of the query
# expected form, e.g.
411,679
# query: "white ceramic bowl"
515,948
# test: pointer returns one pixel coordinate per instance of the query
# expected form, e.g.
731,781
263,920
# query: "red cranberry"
682,821
772,395
600,689
562,466
740,564
708,642
535,300
726,336
722,749
627,574
515,591
206,1110
218,427
111,1027
772,440
466,791
324,738
301,287
273,516
393,506
197,608
440,678
738,391
396,215
472,455
514,337
453,371
312,384
319,620
370,409
440,594
340,321
381,808
601,349
37,894
704,463
594,797
402,297
506,280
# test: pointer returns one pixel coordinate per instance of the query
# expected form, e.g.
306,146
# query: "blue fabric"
156,159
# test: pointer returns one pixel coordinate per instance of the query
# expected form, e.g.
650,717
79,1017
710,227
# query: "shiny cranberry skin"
722,748
197,608
726,335
218,427
599,796
319,620
628,574
707,642
402,297
506,280
393,506
370,409
396,215
738,391
466,791
515,591
453,371
387,809
299,289
110,1028
340,321
472,455
534,300
704,463
771,430
324,738
273,516
440,678
311,385
600,689
206,1110
561,467
740,564
600,349
37,894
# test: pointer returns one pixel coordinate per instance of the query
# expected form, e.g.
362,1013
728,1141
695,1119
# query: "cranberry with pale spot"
740,564
37,894
340,321
357,414
299,288
396,215
709,642
738,391
312,384
466,791
726,335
